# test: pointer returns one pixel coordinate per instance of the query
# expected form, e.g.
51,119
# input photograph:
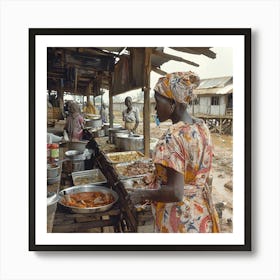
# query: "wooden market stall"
87,72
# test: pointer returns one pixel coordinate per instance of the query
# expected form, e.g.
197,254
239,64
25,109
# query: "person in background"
90,109
74,123
49,104
130,115
66,107
104,113
181,199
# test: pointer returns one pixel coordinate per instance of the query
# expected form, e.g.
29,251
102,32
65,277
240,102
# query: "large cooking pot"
75,161
113,131
77,145
134,142
93,123
99,133
106,127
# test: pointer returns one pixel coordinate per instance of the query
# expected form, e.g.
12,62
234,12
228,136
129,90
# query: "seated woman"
181,199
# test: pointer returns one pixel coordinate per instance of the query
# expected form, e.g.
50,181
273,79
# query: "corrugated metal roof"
214,82
219,85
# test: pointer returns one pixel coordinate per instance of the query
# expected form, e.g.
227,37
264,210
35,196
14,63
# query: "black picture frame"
245,33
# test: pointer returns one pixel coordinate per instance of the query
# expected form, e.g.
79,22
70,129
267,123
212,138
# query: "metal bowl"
87,188
73,153
52,170
54,180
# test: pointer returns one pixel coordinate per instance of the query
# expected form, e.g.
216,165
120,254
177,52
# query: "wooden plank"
146,113
173,57
159,71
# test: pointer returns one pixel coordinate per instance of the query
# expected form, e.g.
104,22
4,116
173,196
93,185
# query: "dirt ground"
221,171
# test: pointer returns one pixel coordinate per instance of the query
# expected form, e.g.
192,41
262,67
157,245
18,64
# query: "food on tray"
92,176
87,199
87,180
136,168
124,157
135,183
144,183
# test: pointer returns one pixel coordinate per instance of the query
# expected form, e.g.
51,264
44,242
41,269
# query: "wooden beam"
173,57
146,113
159,71
111,116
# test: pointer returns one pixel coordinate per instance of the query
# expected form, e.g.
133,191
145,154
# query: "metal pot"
75,162
87,188
73,154
113,131
52,170
99,133
133,142
93,123
79,145
118,136
106,127
52,199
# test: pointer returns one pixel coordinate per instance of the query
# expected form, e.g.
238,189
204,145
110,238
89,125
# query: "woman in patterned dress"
181,200
74,123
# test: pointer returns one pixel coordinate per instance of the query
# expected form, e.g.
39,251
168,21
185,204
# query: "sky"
221,66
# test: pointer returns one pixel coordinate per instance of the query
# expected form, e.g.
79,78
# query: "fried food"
88,199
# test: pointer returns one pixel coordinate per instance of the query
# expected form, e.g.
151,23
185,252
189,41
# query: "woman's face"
163,107
128,103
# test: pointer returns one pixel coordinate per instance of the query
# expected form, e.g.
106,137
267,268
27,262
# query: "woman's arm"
173,191
137,119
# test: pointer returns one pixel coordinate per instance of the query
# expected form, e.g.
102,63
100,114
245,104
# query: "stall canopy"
85,71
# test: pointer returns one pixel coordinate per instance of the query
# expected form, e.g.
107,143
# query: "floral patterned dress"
187,149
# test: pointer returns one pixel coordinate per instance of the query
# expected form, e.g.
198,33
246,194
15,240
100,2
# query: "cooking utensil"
53,170
54,180
73,153
113,131
87,188
93,176
134,142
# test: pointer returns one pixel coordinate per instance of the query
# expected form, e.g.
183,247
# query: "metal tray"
93,176
122,167
87,188
120,157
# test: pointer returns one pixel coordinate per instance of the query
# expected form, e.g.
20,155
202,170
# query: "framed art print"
102,67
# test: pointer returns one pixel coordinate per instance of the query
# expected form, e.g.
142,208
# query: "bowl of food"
87,198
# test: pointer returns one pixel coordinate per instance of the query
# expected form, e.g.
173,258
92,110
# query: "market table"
135,219
65,222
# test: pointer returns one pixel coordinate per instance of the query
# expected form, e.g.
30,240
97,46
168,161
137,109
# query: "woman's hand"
136,197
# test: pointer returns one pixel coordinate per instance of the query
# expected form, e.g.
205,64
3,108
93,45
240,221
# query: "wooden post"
76,81
146,116
88,92
60,93
111,116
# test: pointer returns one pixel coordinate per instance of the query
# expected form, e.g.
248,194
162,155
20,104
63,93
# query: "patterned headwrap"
178,86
